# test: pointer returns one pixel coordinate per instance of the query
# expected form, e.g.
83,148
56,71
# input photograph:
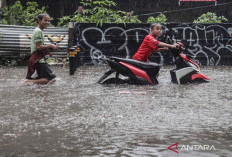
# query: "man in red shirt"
151,44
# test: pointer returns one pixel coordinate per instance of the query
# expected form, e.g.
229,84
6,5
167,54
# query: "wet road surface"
75,116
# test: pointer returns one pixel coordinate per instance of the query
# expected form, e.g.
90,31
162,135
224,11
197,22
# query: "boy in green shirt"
38,70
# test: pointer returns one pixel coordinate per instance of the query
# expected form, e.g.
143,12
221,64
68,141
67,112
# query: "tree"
19,15
99,12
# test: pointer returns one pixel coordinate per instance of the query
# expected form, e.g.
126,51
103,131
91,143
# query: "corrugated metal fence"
15,40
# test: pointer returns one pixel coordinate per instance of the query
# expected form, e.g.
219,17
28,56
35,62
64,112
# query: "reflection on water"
75,116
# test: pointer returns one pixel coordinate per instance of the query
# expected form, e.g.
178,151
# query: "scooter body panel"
187,70
139,73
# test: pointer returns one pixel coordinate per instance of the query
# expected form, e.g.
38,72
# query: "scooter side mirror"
182,48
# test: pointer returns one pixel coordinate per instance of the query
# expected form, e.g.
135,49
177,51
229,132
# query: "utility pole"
2,4
0,10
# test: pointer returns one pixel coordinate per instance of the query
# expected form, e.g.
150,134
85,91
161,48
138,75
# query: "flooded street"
75,116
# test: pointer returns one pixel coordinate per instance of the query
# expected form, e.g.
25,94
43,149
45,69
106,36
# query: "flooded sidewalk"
75,116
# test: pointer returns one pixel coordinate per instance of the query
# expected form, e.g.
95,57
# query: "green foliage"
159,19
210,18
19,15
99,12
64,21
79,18
126,17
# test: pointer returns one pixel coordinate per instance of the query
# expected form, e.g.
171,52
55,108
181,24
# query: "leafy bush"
210,18
19,15
126,17
159,19
100,12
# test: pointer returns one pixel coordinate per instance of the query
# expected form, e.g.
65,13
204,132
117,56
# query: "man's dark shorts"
44,71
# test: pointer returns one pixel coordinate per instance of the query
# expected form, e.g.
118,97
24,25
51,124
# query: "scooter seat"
136,63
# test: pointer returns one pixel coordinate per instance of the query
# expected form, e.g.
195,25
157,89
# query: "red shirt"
149,45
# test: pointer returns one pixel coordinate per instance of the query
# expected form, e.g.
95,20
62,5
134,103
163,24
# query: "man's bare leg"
157,75
38,81
64,62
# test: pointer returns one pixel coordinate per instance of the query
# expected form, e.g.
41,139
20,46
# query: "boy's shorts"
44,71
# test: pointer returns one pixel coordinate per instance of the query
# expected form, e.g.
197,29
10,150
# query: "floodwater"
75,116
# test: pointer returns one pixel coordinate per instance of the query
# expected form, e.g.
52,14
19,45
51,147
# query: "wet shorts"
44,71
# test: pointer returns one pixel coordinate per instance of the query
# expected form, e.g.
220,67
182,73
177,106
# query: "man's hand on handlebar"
175,46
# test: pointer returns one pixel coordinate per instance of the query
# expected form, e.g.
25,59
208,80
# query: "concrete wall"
15,40
211,44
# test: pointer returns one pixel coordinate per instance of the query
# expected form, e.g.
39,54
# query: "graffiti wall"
210,44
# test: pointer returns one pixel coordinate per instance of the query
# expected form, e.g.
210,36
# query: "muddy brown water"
75,116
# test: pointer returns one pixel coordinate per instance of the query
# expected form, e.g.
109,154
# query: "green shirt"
37,37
